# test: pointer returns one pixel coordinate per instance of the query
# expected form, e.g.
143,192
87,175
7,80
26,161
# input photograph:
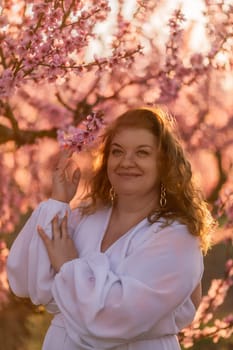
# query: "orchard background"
62,61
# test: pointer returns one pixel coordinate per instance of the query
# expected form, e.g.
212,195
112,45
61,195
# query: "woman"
124,270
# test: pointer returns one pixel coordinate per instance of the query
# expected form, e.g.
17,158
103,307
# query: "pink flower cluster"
50,39
7,83
44,71
175,73
76,138
169,79
204,324
219,27
224,207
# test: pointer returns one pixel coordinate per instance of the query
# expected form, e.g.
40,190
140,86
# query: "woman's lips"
128,175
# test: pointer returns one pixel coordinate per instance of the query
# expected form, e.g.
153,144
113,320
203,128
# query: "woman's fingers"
64,227
60,231
64,158
55,228
43,236
76,176
59,250
65,179
70,170
67,169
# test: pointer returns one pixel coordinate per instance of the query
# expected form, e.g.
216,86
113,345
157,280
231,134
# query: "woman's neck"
130,206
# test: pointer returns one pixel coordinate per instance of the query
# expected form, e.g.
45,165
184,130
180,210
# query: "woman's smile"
128,174
132,163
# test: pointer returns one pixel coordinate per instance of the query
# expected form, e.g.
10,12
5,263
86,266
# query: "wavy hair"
185,201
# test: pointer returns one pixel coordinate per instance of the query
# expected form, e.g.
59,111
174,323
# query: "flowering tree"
58,68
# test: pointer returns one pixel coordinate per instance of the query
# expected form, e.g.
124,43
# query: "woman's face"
132,165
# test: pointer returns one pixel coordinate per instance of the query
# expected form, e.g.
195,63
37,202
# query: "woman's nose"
127,159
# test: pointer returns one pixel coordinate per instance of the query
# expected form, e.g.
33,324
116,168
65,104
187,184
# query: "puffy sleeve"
106,308
28,267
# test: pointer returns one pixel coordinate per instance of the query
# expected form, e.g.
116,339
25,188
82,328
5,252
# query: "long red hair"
184,199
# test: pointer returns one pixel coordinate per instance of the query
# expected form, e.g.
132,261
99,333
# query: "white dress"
134,296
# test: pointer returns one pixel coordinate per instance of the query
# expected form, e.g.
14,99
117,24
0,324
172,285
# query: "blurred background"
62,61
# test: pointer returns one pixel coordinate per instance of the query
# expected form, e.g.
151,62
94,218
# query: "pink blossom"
46,83
7,83
76,138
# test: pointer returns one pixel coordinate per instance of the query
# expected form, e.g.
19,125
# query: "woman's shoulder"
160,232
168,225
173,230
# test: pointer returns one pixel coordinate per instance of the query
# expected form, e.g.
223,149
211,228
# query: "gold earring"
112,194
163,196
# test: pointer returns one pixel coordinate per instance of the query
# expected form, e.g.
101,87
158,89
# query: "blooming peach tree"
68,66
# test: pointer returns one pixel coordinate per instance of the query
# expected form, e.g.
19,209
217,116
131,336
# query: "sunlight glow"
193,12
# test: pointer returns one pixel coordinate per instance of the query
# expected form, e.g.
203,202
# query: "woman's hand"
60,248
65,178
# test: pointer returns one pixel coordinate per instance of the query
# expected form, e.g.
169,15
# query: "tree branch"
221,180
3,60
63,103
10,115
25,137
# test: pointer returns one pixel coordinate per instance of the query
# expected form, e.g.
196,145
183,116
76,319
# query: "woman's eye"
142,153
116,152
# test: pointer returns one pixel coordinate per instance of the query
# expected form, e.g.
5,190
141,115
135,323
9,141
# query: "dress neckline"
105,226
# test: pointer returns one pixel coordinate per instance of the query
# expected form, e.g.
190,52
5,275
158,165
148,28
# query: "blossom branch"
10,115
63,103
3,60
24,137
201,326
66,13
